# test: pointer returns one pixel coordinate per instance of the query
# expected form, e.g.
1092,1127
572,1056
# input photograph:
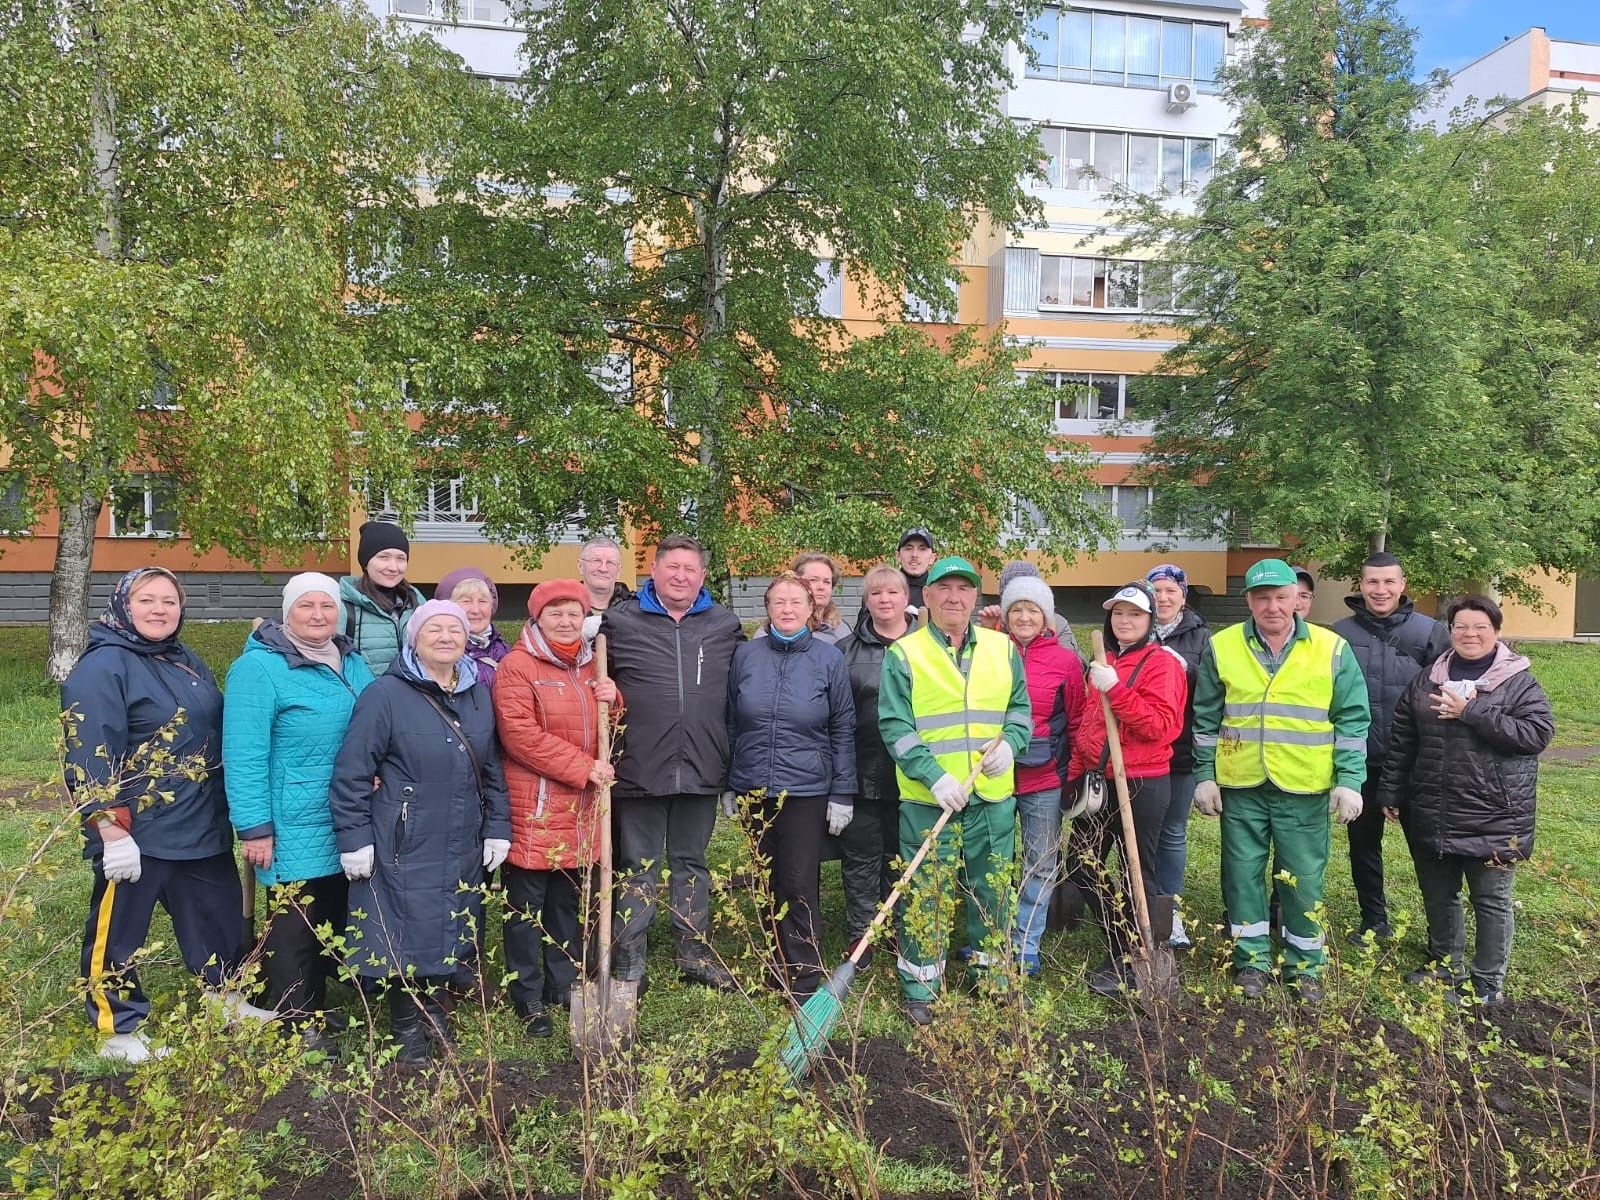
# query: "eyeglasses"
1476,629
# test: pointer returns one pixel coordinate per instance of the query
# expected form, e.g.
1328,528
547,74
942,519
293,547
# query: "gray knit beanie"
1030,588
1016,569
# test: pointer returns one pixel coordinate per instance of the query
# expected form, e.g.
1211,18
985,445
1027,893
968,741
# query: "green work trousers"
1255,821
979,846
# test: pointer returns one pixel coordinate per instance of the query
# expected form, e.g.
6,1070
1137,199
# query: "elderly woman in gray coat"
437,819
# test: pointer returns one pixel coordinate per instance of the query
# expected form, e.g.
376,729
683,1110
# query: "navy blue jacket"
792,720
426,819
120,694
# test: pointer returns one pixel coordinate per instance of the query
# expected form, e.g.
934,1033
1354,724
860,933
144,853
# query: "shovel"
1154,969
604,1010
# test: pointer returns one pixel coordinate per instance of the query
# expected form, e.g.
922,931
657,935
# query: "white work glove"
839,815
1208,798
998,759
359,864
120,861
729,802
947,790
1346,803
912,613
591,626
494,853
1102,677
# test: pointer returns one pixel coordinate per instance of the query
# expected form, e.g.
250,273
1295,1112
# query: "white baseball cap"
1136,594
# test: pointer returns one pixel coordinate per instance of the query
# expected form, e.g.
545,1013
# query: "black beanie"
378,536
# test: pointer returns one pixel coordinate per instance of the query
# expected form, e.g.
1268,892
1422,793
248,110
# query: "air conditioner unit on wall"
1180,97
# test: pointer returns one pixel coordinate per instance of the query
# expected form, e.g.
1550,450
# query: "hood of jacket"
1358,605
1507,662
102,637
410,668
269,638
1187,619
650,602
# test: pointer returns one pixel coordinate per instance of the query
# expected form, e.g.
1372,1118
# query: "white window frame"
1097,76
155,486
1093,184
829,295
451,12
13,501
1109,498
940,310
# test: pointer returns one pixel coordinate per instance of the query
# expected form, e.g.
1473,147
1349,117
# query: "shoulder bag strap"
450,720
1105,751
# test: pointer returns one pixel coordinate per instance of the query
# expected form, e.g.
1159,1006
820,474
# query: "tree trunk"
78,496
714,324
69,581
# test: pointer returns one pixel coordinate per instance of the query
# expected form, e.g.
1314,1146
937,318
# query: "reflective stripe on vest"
1276,728
957,707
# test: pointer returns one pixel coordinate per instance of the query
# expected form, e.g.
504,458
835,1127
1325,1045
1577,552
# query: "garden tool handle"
603,798
1130,840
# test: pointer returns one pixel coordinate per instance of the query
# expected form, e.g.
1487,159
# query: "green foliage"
174,244
662,187
1376,351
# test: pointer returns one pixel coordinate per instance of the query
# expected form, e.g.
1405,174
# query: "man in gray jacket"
670,646
1392,642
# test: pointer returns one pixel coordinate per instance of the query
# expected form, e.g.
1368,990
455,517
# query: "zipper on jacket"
400,829
677,657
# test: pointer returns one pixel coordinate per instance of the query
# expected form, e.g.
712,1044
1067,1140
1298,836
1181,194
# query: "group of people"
381,757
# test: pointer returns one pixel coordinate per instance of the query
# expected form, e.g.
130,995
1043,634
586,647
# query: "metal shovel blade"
1155,968
602,1026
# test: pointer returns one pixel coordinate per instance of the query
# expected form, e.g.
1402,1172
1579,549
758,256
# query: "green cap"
954,564
1270,572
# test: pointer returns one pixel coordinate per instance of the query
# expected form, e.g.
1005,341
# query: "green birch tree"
177,185
663,187
1360,367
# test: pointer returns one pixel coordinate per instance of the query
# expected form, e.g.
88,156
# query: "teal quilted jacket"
283,720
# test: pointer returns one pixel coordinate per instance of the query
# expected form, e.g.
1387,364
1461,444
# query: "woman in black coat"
1461,776
438,818
792,727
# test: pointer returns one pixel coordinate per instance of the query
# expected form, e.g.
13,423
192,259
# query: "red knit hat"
551,590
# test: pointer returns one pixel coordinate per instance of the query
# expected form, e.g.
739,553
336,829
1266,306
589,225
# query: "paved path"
1571,754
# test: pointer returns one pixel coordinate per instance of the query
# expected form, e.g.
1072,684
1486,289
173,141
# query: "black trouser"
543,934
1366,854
654,832
206,904
867,847
295,963
1091,840
792,841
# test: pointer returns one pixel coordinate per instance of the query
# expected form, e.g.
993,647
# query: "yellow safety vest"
1276,728
958,707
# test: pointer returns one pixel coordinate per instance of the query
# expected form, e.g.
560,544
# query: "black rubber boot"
405,1026
436,1017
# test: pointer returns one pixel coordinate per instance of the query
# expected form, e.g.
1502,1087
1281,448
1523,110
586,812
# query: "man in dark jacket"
670,648
915,555
1392,642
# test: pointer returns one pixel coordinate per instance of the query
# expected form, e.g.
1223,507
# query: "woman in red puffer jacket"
547,701
1147,686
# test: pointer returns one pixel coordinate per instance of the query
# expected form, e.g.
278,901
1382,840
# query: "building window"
1110,283
457,12
830,288
1093,396
937,310
144,506
1123,50
14,509
1099,160
443,499
1129,505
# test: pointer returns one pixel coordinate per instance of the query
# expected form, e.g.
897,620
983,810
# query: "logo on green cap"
1269,572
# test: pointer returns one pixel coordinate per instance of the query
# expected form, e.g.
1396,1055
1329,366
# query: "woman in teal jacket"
378,602
289,700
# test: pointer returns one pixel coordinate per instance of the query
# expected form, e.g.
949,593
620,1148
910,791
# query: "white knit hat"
311,581
1032,589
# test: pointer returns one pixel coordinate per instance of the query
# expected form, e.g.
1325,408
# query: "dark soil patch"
1258,1101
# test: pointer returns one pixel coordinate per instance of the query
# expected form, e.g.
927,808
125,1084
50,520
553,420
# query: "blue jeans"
1041,854
1174,856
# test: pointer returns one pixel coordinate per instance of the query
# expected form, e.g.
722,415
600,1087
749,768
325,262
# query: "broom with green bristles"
813,1024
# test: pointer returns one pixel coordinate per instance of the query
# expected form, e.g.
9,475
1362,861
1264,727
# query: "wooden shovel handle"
603,799
1130,840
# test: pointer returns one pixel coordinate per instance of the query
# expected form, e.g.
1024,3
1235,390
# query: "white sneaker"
238,1008
131,1048
1179,939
